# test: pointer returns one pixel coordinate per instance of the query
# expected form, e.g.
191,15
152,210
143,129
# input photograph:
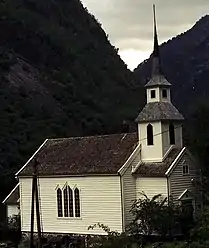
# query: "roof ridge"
90,136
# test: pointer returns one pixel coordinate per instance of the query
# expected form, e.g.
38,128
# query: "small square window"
185,169
164,93
152,93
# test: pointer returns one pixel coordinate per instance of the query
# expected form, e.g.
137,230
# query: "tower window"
172,134
150,135
164,93
152,92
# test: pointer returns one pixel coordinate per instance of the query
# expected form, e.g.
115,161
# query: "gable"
103,154
183,156
186,195
13,197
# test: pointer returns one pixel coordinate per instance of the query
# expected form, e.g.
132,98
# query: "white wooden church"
86,180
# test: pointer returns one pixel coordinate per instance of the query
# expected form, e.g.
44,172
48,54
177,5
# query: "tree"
155,216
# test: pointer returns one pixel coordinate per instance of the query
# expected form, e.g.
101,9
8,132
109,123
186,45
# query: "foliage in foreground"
151,216
156,216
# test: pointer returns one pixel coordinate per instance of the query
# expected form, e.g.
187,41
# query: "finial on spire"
156,67
156,46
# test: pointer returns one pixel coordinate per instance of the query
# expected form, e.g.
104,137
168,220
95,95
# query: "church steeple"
159,122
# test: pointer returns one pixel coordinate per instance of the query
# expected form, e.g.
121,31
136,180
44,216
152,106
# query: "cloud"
129,23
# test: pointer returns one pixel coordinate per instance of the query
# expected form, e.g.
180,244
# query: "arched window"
77,203
150,135
59,202
70,193
65,202
172,134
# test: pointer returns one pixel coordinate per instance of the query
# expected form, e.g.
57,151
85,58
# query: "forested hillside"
60,76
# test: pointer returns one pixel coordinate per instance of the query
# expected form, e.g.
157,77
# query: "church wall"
12,210
166,139
100,202
153,152
178,134
151,186
178,182
129,191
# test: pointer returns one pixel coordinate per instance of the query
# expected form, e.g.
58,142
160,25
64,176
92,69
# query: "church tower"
159,123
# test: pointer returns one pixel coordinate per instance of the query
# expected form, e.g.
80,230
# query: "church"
86,180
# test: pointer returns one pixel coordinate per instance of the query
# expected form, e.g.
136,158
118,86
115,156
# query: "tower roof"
159,111
157,78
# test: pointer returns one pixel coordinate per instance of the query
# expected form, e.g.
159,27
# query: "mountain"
59,77
185,62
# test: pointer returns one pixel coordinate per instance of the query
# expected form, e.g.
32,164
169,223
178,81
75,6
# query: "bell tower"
159,123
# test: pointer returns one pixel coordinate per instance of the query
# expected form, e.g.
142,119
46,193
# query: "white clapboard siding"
151,186
12,210
178,182
100,202
129,190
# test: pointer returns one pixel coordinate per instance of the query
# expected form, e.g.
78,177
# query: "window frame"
77,208
185,172
166,93
152,94
71,204
59,208
150,135
65,202
172,134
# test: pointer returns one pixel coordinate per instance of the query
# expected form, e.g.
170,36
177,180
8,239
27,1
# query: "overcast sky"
128,23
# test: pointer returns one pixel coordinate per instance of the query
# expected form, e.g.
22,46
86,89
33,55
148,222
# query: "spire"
157,77
156,46
156,68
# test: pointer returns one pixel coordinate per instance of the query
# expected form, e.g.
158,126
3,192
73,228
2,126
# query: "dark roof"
157,79
13,196
152,169
155,111
83,155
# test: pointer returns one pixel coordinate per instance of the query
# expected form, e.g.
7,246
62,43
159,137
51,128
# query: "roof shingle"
157,80
153,169
156,111
83,155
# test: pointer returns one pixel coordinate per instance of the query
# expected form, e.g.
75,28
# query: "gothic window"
150,135
70,194
185,169
164,93
65,202
59,202
152,92
77,202
172,134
